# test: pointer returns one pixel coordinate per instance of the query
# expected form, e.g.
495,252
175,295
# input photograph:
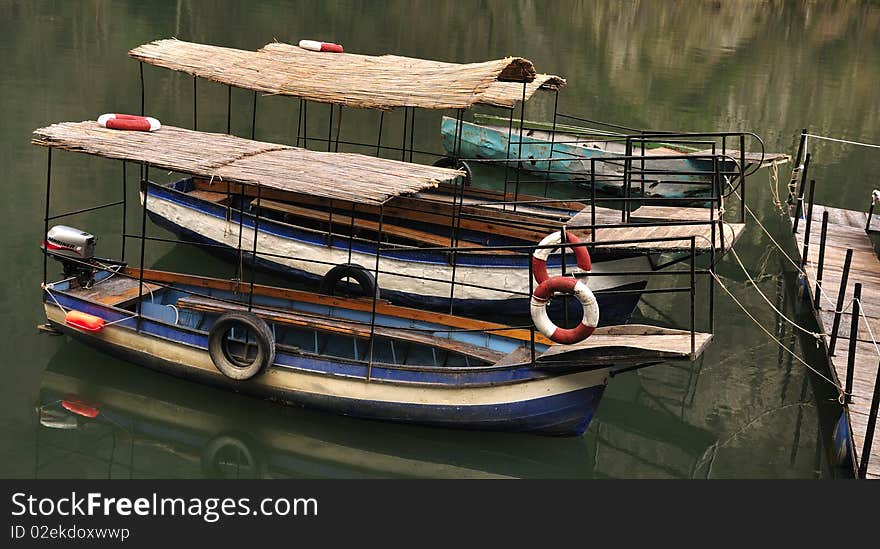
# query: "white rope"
766,331
46,288
848,142
816,335
822,293
868,325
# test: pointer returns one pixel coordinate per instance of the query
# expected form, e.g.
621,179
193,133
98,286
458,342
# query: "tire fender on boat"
565,285
364,278
234,367
130,122
452,163
539,258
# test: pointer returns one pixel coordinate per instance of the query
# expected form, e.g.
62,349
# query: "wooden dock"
846,230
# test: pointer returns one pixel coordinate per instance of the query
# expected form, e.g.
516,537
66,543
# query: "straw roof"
344,176
506,94
377,82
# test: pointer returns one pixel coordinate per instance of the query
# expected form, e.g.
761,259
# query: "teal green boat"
566,154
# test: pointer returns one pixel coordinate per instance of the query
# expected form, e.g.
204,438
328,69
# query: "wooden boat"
664,175
354,356
307,238
409,366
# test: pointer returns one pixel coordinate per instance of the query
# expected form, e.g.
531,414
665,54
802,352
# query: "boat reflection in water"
97,420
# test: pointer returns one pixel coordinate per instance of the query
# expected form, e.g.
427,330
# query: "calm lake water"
743,410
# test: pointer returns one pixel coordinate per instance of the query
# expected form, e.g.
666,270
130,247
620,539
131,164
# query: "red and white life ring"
539,258
129,122
566,285
315,45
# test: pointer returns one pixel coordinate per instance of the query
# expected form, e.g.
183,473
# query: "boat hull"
492,143
559,405
420,281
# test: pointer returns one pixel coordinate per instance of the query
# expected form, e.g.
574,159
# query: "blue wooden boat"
294,240
686,177
425,368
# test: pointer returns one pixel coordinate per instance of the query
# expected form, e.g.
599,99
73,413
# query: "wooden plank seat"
342,326
115,291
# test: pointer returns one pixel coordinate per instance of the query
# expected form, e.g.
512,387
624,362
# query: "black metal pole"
375,293
522,114
338,129
142,87
330,129
841,293
46,219
412,131
405,124
853,341
693,298
124,210
869,431
228,110
144,188
809,223
742,176
800,198
254,251
379,138
796,167
299,116
254,119
821,266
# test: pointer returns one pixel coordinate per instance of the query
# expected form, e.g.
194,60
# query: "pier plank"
846,230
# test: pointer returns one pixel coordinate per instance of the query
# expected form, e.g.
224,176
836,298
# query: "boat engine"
75,250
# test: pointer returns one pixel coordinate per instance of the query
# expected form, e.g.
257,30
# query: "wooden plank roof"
363,81
345,176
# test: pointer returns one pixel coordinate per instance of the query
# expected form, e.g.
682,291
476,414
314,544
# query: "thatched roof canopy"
376,82
344,176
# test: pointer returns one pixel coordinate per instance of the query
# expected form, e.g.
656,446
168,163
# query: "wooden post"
869,431
841,292
853,340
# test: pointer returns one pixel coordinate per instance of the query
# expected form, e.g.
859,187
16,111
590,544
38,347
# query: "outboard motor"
75,250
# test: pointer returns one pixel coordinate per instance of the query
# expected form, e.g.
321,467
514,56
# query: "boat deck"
846,230
608,346
645,226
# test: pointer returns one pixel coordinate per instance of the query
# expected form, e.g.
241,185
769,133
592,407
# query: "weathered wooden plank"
115,291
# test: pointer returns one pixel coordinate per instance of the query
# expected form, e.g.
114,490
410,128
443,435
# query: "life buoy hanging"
539,258
133,122
566,285
315,45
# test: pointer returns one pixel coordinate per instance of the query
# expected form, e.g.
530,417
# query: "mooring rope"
816,335
846,141
774,338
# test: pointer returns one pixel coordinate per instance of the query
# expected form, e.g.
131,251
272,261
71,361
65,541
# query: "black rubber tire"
364,278
449,162
229,366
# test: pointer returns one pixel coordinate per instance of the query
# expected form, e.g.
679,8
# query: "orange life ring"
567,285
539,258
129,122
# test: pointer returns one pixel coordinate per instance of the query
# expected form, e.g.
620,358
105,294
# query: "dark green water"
742,410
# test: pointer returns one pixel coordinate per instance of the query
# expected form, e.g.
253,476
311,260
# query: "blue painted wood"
491,143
